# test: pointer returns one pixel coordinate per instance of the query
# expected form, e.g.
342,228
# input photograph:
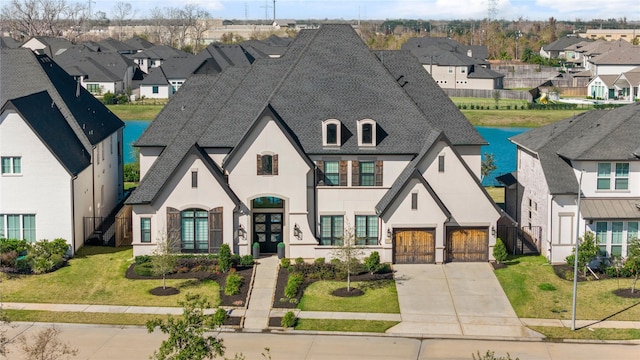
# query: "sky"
394,9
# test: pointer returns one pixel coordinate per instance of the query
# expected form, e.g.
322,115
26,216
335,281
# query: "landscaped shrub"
317,271
8,259
246,260
235,259
285,263
319,260
232,284
143,269
19,246
288,320
141,259
224,258
41,265
384,268
372,262
293,284
473,106
299,261
500,251
131,172
220,316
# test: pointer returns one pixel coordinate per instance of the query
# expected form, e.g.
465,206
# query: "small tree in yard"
496,97
187,338
633,261
500,251
587,251
46,345
487,166
349,254
163,260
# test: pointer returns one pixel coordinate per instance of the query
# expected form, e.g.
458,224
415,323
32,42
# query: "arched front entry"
268,221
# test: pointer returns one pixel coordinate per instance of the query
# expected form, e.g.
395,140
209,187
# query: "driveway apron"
455,299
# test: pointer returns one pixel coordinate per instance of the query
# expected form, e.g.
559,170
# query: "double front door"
267,231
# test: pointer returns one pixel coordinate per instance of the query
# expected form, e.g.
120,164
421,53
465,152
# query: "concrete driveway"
455,299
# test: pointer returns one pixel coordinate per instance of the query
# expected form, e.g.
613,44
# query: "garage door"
414,246
468,244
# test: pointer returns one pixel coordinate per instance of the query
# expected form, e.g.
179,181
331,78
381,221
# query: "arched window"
331,133
366,132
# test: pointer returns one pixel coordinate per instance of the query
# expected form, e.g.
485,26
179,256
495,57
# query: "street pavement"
455,299
98,342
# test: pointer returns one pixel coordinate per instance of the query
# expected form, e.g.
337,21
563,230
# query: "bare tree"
199,25
349,253
35,17
46,345
122,12
164,260
158,22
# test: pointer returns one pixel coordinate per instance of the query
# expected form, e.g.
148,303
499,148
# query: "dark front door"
267,231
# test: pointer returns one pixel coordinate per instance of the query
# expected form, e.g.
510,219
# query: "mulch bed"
626,293
160,291
342,292
283,276
232,321
275,322
565,272
234,300
497,266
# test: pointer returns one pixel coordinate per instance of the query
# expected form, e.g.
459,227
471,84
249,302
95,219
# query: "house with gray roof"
593,155
602,87
453,65
139,43
154,56
628,84
557,49
60,150
328,140
51,46
9,42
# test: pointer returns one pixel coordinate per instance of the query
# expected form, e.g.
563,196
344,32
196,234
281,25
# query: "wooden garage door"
468,244
414,246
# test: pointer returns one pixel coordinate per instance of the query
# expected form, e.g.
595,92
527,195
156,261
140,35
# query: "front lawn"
535,291
96,275
375,326
379,297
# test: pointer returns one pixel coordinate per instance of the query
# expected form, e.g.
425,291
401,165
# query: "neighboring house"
616,61
628,84
572,52
50,46
113,45
273,46
154,57
612,34
98,72
557,49
603,87
303,149
597,48
165,81
455,66
60,149
139,43
602,147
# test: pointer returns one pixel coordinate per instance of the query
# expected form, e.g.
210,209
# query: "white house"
602,87
60,149
602,147
303,148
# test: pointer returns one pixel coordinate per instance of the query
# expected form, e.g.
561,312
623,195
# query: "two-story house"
60,150
327,140
594,154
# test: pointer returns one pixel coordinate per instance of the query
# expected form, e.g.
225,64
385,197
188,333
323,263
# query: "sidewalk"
261,297
115,309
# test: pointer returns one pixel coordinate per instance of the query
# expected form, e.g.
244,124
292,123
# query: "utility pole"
274,12
575,263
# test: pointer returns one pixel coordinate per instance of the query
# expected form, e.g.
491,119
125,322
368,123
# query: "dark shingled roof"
97,66
562,43
9,42
327,73
139,43
610,135
112,44
480,72
160,52
23,73
54,45
156,77
52,128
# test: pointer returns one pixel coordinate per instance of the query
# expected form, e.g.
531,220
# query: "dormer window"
331,133
366,132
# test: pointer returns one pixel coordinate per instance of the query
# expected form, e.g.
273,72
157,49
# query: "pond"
504,151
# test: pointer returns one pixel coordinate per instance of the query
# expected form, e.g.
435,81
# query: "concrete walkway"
455,299
262,292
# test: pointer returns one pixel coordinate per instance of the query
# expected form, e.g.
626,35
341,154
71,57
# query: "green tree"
349,254
499,251
187,339
224,258
488,165
587,251
633,261
497,95
163,260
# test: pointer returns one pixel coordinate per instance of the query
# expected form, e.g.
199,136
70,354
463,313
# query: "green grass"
527,282
136,111
80,317
96,276
373,326
488,102
554,333
496,193
380,298
128,185
517,118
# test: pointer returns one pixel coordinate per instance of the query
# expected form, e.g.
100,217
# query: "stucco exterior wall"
148,155
590,178
164,91
471,154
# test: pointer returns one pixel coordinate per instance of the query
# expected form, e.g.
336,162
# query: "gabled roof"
54,45
477,52
579,45
23,73
441,112
156,77
9,42
562,43
97,66
139,43
602,47
160,52
271,46
608,80
632,76
480,72
623,56
112,44
48,123
597,135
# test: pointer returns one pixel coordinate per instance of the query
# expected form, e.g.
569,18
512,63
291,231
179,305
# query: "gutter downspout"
73,216
550,230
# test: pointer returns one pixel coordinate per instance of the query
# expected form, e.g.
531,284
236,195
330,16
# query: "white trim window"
11,165
18,226
331,133
613,176
367,132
